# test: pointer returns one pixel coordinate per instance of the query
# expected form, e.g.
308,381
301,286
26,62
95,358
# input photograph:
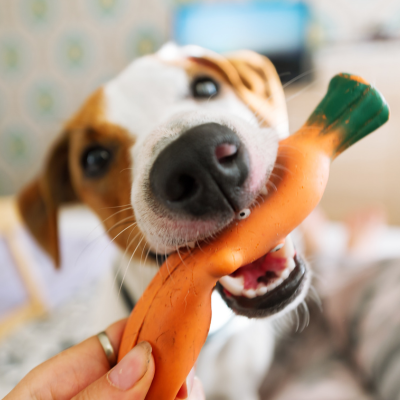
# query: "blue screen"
269,28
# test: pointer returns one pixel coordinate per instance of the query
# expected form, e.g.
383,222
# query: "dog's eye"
95,161
204,88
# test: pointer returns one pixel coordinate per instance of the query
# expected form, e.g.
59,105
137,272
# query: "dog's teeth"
261,290
250,293
276,283
290,265
285,273
233,285
236,285
288,248
192,245
277,248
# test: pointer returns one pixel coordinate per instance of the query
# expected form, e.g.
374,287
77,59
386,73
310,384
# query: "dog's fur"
136,115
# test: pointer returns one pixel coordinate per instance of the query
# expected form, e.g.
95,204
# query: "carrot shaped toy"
174,313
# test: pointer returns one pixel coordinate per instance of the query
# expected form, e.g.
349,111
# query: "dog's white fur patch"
151,99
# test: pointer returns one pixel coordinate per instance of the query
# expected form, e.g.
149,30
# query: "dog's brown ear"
39,201
256,82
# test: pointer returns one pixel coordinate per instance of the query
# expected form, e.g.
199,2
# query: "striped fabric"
351,350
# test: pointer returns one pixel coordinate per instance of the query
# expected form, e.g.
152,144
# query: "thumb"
129,379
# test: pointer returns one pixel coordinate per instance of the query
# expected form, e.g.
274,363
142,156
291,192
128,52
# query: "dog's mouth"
267,285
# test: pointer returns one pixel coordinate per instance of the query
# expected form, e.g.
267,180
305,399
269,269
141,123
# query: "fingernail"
131,368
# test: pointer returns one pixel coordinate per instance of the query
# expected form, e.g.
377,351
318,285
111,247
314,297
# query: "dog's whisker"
312,259
92,242
122,259
283,325
283,168
296,313
125,205
166,264
142,266
116,236
130,233
127,267
116,213
285,145
147,255
284,74
198,245
296,78
125,169
108,244
276,176
210,97
255,117
98,225
305,316
125,229
293,96
313,295
318,276
271,97
179,255
121,223
188,249
272,185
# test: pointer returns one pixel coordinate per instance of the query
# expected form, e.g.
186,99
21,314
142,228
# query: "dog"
170,152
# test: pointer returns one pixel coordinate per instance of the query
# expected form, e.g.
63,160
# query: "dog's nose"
202,173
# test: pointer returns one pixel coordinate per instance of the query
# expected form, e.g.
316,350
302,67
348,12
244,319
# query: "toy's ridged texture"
352,106
174,313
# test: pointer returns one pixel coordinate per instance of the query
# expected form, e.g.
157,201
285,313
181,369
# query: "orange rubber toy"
174,313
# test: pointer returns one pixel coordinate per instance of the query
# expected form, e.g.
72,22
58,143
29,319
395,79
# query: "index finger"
69,372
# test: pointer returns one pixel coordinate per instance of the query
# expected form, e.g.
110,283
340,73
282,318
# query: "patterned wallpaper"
53,53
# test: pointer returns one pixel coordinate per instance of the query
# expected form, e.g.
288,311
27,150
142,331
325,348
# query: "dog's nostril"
202,173
184,187
226,152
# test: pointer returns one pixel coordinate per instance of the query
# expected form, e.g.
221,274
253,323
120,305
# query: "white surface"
86,253
335,237
12,291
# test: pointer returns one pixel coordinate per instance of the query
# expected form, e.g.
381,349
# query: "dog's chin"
185,234
273,284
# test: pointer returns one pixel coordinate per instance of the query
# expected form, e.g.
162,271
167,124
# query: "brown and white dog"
167,154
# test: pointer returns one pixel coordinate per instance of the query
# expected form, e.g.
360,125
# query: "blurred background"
54,53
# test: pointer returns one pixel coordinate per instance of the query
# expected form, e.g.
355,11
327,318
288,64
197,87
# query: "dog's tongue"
271,262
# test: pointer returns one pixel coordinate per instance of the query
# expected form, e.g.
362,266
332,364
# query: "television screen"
275,29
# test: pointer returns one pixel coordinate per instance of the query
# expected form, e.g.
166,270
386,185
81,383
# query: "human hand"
83,372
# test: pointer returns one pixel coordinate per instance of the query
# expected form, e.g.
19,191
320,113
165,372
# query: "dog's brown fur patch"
62,181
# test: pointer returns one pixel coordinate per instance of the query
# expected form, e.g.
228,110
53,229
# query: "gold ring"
107,347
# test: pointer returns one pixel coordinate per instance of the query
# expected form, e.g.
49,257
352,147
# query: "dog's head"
167,154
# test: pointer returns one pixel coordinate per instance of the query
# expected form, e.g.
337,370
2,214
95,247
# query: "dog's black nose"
202,173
